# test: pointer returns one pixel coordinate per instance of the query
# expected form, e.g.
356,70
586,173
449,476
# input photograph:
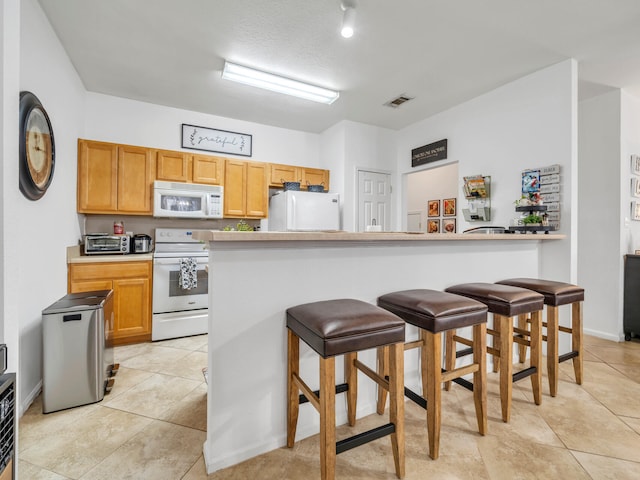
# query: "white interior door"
374,200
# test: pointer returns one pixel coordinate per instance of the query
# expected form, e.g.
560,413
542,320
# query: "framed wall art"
433,226
449,207
433,208
213,140
635,164
448,225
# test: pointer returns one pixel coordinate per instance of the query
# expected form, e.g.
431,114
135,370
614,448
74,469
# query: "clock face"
37,147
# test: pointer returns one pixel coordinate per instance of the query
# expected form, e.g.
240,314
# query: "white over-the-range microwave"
187,200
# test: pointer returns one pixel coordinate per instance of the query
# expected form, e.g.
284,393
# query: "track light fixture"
349,17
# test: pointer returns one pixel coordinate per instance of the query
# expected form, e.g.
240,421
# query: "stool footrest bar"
340,388
417,399
365,437
568,356
464,352
524,373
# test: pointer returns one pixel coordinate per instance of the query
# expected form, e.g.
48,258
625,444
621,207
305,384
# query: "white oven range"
179,311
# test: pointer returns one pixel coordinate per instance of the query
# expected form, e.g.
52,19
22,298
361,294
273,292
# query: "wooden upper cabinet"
208,170
257,190
246,192
135,180
283,173
97,177
114,178
235,187
315,176
172,166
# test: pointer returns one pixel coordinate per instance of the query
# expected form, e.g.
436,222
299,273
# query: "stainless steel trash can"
77,356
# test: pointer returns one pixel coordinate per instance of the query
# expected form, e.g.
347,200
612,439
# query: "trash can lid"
79,301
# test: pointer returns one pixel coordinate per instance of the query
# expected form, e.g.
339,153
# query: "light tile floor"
152,426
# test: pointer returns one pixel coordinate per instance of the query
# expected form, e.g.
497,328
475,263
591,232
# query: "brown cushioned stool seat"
505,302
434,312
345,327
555,294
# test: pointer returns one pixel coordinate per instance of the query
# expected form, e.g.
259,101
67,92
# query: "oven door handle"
176,261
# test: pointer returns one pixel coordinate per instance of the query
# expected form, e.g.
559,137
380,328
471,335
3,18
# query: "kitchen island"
255,276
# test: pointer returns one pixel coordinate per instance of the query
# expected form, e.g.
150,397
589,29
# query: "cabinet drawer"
96,271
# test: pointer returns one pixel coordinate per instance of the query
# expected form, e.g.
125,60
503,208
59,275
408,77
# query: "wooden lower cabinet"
131,285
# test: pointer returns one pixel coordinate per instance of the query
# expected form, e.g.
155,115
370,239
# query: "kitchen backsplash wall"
142,224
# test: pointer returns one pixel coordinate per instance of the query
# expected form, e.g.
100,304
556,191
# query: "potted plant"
532,220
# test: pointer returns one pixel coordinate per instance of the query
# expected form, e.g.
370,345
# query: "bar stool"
434,312
555,294
345,327
505,302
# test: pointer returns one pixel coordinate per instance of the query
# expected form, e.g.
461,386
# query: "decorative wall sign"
213,140
429,153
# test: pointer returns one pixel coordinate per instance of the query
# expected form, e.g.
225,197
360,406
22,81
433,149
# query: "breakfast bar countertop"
343,236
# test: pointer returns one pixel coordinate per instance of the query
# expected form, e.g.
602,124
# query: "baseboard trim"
24,406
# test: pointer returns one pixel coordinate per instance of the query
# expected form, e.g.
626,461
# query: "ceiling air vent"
396,102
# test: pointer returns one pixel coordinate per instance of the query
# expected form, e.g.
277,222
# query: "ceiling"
442,52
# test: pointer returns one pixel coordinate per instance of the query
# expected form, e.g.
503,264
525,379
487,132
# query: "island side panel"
252,284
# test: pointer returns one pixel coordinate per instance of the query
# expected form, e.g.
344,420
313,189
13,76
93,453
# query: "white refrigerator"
298,211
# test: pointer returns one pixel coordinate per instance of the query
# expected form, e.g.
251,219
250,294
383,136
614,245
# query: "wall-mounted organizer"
477,191
543,187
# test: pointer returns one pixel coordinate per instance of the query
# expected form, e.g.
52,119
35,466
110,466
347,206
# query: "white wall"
435,183
527,123
601,218
120,120
44,228
609,126
9,94
365,147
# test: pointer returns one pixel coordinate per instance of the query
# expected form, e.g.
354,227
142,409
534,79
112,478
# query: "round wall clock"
37,147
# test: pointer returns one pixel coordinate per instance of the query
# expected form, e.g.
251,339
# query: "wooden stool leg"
449,355
522,349
293,369
552,349
505,325
433,387
576,339
495,343
383,371
396,405
327,418
480,377
351,378
536,355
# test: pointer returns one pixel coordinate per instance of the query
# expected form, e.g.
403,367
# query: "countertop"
74,255
341,236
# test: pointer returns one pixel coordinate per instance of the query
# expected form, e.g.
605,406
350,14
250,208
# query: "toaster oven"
103,243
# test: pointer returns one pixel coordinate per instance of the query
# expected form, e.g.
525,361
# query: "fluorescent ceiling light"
259,79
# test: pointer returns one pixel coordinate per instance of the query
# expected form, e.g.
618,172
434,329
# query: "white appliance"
299,211
178,311
187,200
